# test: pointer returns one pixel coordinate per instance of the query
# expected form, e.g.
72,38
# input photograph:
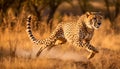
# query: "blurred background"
17,51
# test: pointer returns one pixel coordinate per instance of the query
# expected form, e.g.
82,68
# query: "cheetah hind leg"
40,50
60,41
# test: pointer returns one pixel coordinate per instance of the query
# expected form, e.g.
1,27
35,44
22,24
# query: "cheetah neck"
82,23
89,30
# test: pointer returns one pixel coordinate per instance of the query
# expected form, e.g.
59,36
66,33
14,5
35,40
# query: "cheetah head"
93,20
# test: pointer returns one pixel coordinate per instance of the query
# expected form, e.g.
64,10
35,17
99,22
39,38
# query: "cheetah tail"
29,31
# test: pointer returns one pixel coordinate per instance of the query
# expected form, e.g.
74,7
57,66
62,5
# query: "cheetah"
78,33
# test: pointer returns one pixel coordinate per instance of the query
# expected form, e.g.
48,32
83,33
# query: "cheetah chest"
87,36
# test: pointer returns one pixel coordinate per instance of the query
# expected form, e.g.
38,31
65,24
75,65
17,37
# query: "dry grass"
17,52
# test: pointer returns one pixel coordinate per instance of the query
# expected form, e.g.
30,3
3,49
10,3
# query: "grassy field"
17,51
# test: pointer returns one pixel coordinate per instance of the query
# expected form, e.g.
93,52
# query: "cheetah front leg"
92,54
87,46
92,51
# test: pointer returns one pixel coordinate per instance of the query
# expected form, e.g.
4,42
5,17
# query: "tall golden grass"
17,51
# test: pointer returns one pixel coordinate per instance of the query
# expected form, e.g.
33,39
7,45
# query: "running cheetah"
78,33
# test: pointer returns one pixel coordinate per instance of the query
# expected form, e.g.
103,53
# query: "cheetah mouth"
96,27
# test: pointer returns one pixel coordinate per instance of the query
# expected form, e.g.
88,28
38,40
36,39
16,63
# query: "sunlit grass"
16,51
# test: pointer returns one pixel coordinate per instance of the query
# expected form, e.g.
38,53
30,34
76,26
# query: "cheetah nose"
99,23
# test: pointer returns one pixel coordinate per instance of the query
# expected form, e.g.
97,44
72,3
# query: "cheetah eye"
100,17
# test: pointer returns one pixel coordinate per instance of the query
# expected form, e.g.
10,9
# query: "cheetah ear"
88,14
